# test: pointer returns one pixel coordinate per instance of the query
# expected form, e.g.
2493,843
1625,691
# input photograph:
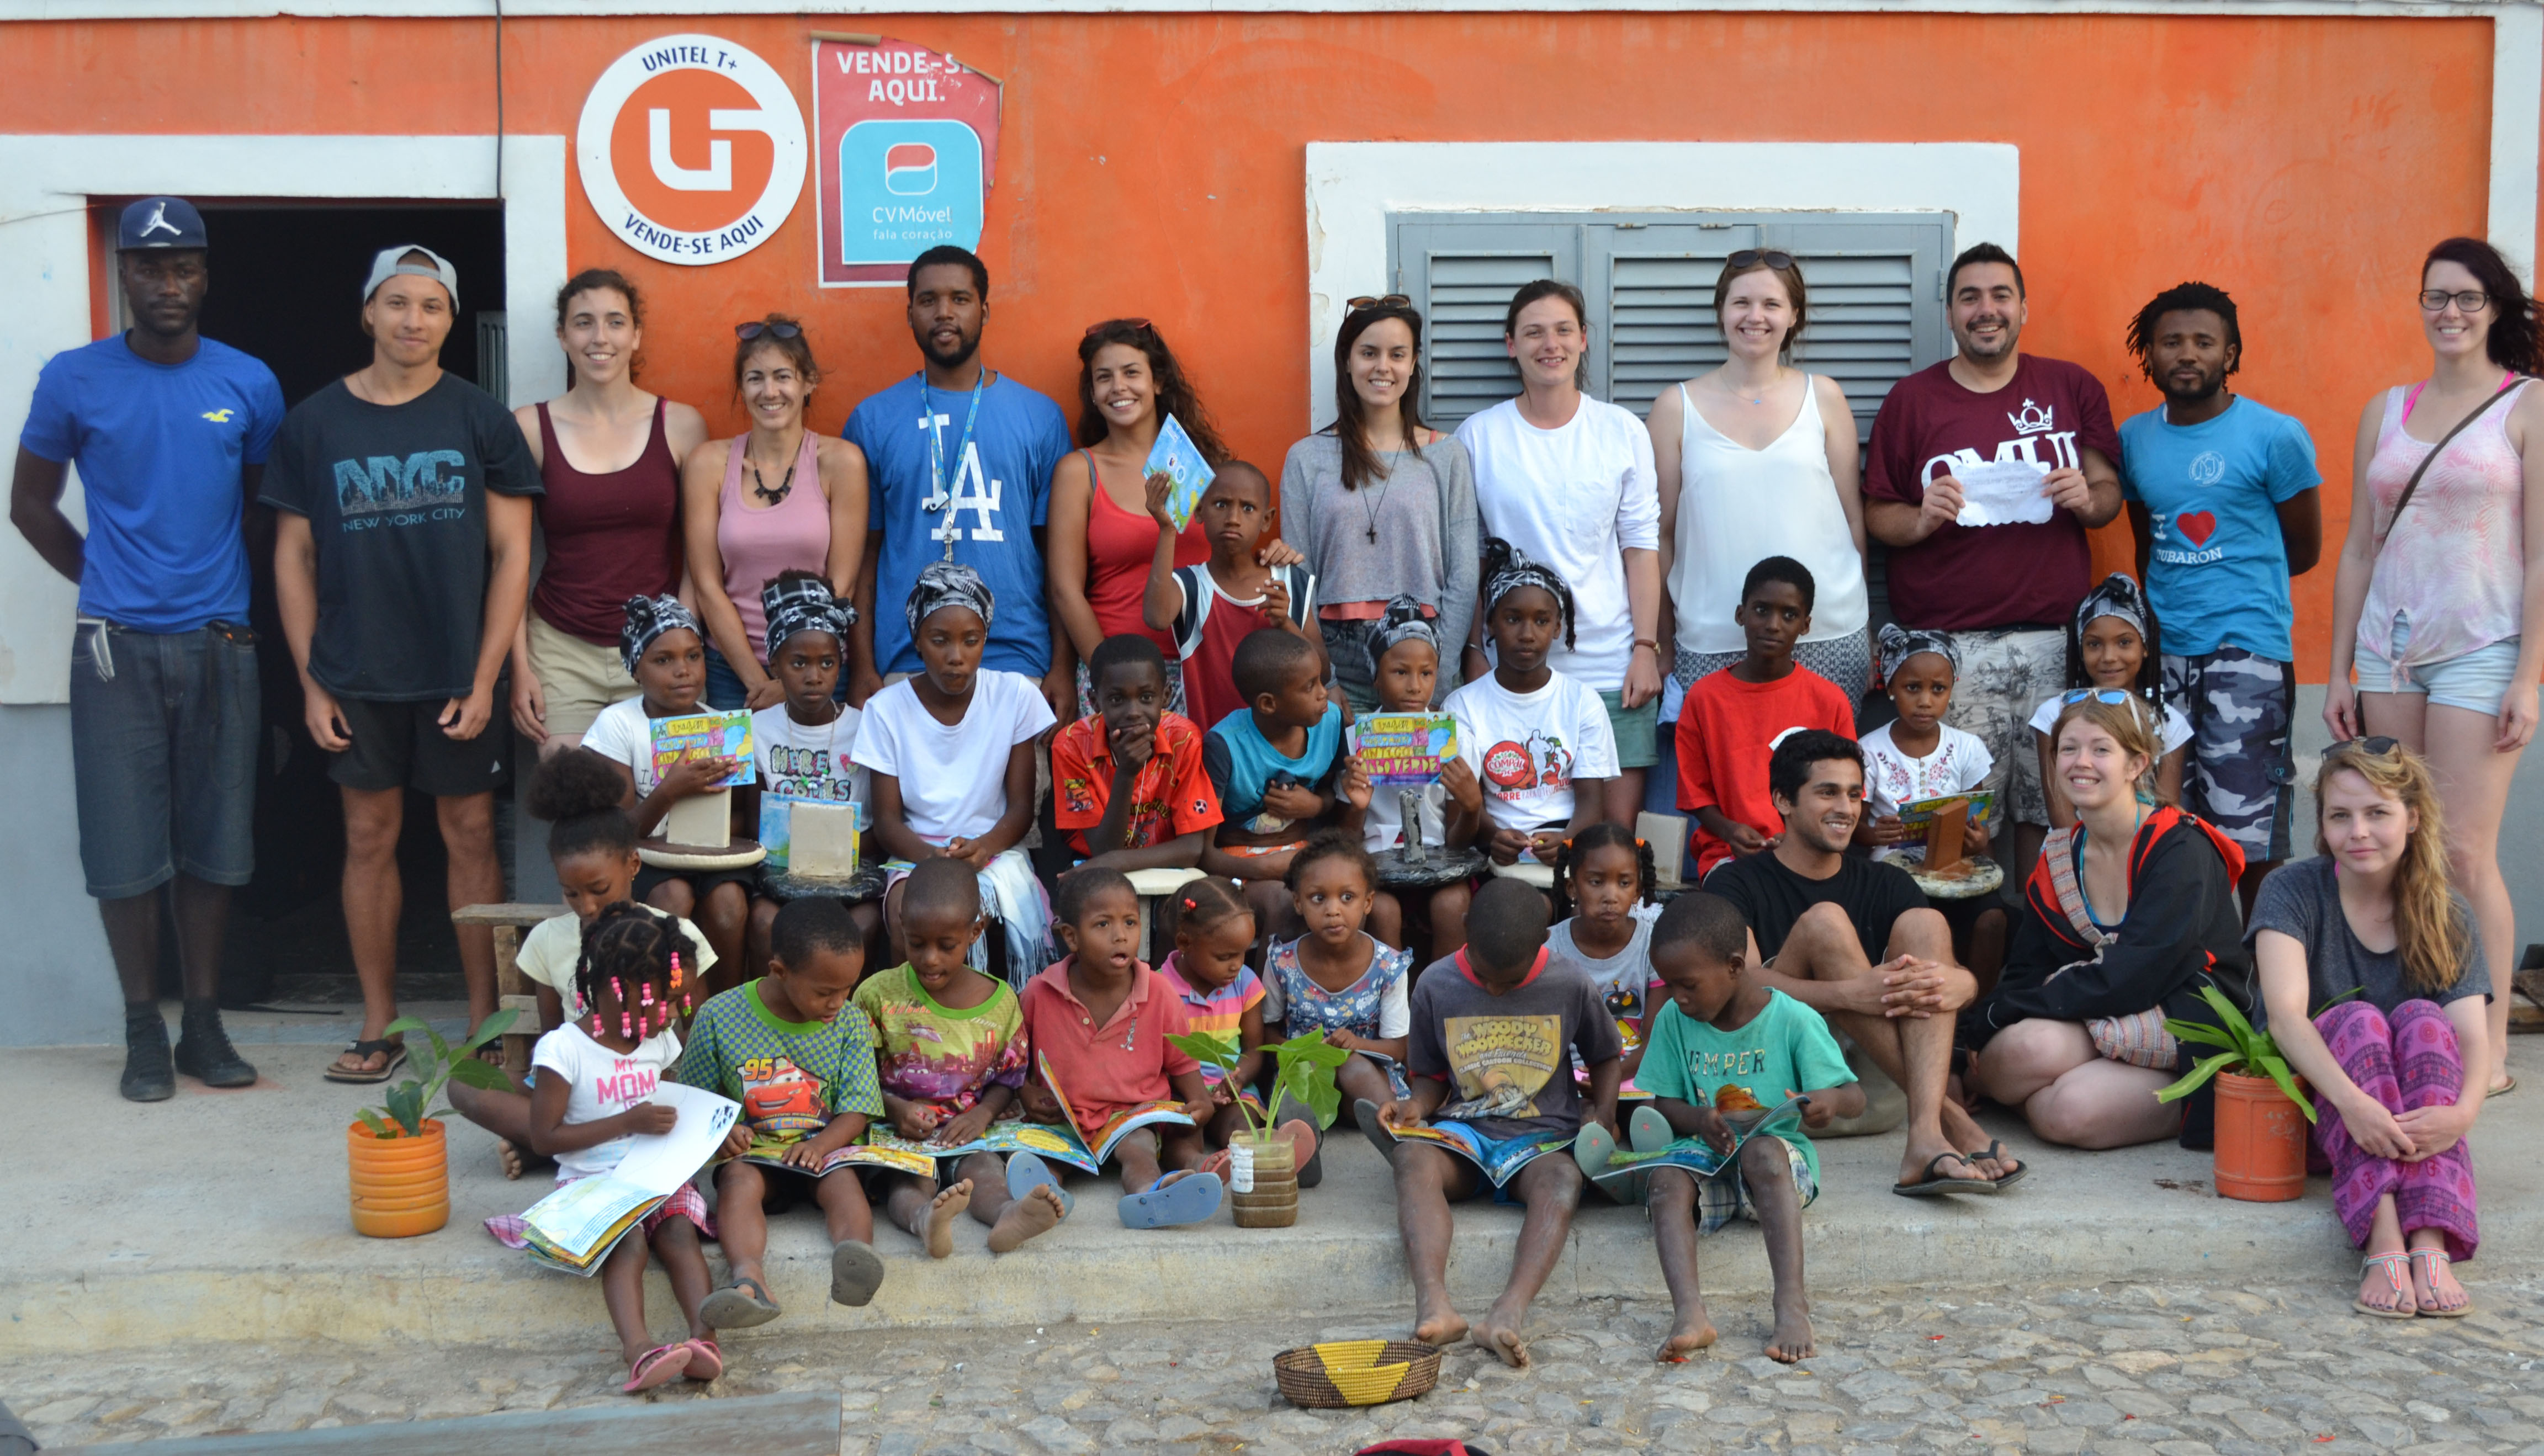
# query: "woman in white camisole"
1758,459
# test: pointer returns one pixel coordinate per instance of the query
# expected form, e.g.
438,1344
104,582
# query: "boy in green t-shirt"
1723,1031
801,1061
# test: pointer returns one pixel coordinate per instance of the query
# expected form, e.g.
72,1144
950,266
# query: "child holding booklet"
950,1046
1724,1038
807,741
598,1074
1491,1029
1213,607
666,652
1099,1020
1918,756
801,1061
1405,666
591,843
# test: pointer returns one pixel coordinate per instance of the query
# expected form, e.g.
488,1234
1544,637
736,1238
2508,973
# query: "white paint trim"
36,10
44,185
1353,186
2516,119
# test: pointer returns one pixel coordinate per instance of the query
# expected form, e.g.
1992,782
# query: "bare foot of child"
1791,1341
1440,1327
508,1156
1039,1211
942,1211
1693,1334
1503,1341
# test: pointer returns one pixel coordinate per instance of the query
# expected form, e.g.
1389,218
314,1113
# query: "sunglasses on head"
2113,696
1752,256
2376,747
1382,300
753,330
1137,326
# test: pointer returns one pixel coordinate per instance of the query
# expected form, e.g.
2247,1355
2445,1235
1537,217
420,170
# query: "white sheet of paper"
2002,492
659,1162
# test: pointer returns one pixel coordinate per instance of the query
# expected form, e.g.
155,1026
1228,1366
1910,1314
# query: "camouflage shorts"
2005,677
2238,774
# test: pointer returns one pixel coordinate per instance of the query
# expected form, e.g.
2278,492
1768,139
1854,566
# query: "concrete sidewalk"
223,1217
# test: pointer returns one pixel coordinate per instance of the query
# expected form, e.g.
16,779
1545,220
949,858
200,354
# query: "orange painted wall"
1152,164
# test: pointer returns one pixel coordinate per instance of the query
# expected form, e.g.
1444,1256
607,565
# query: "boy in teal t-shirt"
1722,1029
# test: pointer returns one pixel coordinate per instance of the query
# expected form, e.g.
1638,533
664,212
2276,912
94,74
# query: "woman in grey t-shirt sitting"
2370,926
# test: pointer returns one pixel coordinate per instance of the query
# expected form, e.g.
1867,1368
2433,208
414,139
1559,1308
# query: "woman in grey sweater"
1379,505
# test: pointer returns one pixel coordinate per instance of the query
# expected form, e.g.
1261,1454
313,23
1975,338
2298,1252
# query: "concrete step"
221,1217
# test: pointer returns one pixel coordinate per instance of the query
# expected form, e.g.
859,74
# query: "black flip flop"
1931,1186
738,1306
1996,1149
396,1051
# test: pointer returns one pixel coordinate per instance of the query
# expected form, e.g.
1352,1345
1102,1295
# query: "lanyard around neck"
940,497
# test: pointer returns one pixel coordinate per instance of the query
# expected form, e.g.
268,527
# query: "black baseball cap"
160,222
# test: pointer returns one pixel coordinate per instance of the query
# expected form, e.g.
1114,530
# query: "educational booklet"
574,1228
1121,1124
1698,1156
1177,458
777,825
705,736
1500,1166
883,1148
1406,748
1919,813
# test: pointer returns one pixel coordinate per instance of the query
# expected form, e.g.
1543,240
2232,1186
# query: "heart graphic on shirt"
2199,525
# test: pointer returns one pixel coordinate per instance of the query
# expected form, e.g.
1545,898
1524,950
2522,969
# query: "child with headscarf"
806,740
1538,742
1404,667
951,752
2114,653
1918,756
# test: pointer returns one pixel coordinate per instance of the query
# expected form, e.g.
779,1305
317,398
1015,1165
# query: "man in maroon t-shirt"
2002,592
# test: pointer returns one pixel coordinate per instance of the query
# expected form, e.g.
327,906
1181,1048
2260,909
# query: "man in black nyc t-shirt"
1855,941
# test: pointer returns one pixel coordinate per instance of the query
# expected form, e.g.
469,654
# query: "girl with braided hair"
1539,738
1603,890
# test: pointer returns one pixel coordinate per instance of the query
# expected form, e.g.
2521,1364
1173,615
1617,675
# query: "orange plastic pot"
401,1185
2260,1141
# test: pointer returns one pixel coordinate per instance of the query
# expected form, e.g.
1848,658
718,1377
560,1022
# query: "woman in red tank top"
608,456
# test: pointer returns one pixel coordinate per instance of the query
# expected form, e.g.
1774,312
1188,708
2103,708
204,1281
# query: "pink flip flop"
706,1362
659,1365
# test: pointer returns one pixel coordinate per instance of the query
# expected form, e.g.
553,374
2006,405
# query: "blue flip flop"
1592,1149
1649,1131
1191,1198
1026,1173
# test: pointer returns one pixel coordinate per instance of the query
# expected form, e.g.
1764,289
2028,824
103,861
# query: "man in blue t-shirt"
2222,492
170,431
960,462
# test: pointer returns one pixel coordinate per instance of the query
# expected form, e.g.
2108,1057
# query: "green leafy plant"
2250,1052
1303,1067
402,1112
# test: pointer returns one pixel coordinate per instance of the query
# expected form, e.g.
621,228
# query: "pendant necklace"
759,483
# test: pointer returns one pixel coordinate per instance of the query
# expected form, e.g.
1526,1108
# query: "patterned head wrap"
803,603
942,585
1401,621
1507,569
649,617
1898,645
2117,596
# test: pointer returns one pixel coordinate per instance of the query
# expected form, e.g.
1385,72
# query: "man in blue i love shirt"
960,460
2223,494
170,433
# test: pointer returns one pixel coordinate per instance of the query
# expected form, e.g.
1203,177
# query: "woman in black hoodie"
2132,911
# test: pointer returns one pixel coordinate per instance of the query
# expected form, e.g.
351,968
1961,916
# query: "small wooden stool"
1152,885
513,990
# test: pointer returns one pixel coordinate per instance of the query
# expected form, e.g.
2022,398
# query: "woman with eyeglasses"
2372,982
780,497
1381,505
609,461
2127,915
2438,600
1756,458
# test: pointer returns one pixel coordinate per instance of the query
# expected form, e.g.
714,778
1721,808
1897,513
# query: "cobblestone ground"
2180,1370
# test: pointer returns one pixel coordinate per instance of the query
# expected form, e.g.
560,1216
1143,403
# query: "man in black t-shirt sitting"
1855,940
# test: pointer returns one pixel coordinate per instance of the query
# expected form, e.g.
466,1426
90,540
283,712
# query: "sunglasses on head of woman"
2113,696
756,327
1752,256
2374,747
1382,300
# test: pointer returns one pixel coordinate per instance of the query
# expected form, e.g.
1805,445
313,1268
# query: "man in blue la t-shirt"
963,456
2222,492
170,431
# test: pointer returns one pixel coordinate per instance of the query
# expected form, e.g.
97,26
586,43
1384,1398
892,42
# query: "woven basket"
1356,1372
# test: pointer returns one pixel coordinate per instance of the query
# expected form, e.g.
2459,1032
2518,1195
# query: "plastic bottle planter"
1263,1183
401,1185
2260,1141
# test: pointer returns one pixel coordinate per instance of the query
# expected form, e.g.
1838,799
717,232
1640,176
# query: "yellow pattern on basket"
1351,1365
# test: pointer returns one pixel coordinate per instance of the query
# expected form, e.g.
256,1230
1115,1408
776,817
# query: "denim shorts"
2476,682
164,730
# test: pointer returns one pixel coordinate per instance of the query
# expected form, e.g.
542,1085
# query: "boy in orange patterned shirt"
1127,784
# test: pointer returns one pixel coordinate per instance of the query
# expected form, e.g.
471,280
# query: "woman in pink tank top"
609,457
2439,598
780,497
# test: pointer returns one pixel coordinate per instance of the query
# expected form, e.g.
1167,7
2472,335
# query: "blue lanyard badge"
941,496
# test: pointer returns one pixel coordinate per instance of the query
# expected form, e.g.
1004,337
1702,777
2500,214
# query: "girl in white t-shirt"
806,740
1539,741
952,755
596,1076
1920,756
1405,666
2112,647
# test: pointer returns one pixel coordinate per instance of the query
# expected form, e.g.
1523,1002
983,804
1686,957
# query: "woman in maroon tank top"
610,458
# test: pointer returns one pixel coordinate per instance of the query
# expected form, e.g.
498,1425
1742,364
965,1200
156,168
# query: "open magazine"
885,1148
574,1228
1499,1164
1697,1156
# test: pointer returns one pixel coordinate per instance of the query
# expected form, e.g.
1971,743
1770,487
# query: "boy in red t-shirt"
1128,784
1733,718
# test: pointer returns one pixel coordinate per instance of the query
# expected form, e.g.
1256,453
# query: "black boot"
204,1049
147,1075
